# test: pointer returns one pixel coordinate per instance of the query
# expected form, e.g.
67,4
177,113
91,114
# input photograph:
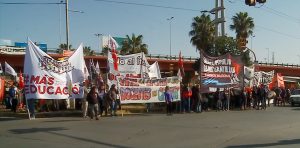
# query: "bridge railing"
279,64
167,57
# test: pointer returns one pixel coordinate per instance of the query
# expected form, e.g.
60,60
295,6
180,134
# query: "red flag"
115,58
280,80
21,81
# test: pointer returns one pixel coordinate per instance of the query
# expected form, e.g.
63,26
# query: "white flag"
86,72
97,68
9,69
52,79
1,71
112,43
154,71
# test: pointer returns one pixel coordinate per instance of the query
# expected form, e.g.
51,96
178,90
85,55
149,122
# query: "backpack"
12,92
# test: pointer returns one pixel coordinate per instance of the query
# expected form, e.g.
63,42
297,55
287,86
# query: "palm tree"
133,45
202,33
243,25
62,47
88,51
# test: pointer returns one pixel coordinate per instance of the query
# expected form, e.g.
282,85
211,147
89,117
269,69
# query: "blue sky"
277,24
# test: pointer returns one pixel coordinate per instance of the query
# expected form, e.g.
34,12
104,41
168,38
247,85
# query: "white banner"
9,69
129,65
47,78
147,90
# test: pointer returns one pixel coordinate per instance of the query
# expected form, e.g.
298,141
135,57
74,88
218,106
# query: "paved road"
275,127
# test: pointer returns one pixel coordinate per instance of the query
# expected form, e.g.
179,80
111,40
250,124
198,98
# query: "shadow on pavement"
53,131
279,143
296,108
89,140
71,120
9,118
36,130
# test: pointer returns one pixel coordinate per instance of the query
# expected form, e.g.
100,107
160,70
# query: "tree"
105,50
87,51
202,33
62,47
133,45
224,44
243,26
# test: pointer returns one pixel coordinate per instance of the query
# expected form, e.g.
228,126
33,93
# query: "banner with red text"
220,72
47,78
139,90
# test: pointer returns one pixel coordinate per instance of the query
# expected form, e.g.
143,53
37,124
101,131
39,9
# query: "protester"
186,103
92,99
31,108
112,94
243,99
13,93
168,99
84,101
198,100
101,98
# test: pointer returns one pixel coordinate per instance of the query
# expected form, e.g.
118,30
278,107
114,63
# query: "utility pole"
273,57
67,24
170,20
218,20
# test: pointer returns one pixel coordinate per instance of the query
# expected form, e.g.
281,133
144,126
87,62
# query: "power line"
150,5
17,3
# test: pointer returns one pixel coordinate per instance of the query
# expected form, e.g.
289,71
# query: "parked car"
295,97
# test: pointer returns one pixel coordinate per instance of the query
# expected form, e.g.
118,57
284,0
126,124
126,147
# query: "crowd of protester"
100,100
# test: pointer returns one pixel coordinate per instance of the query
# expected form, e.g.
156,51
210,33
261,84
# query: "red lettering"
48,90
26,88
75,90
34,79
58,91
42,90
65,91
43,80
50,81
33,89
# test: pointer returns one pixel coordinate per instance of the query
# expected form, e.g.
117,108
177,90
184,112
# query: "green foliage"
133,45
202,33
87,51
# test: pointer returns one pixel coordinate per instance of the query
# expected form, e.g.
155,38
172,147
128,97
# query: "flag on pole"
112,43
21,81
86,72
9,69
97,69
115,59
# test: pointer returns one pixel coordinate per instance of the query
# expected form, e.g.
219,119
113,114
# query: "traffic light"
250,2
242,42
261,1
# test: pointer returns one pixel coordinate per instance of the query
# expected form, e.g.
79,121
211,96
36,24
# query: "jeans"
93,110
186,105
31,107
113,108
199,107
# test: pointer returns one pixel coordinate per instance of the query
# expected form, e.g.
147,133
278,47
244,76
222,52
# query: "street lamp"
170,20
99,35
